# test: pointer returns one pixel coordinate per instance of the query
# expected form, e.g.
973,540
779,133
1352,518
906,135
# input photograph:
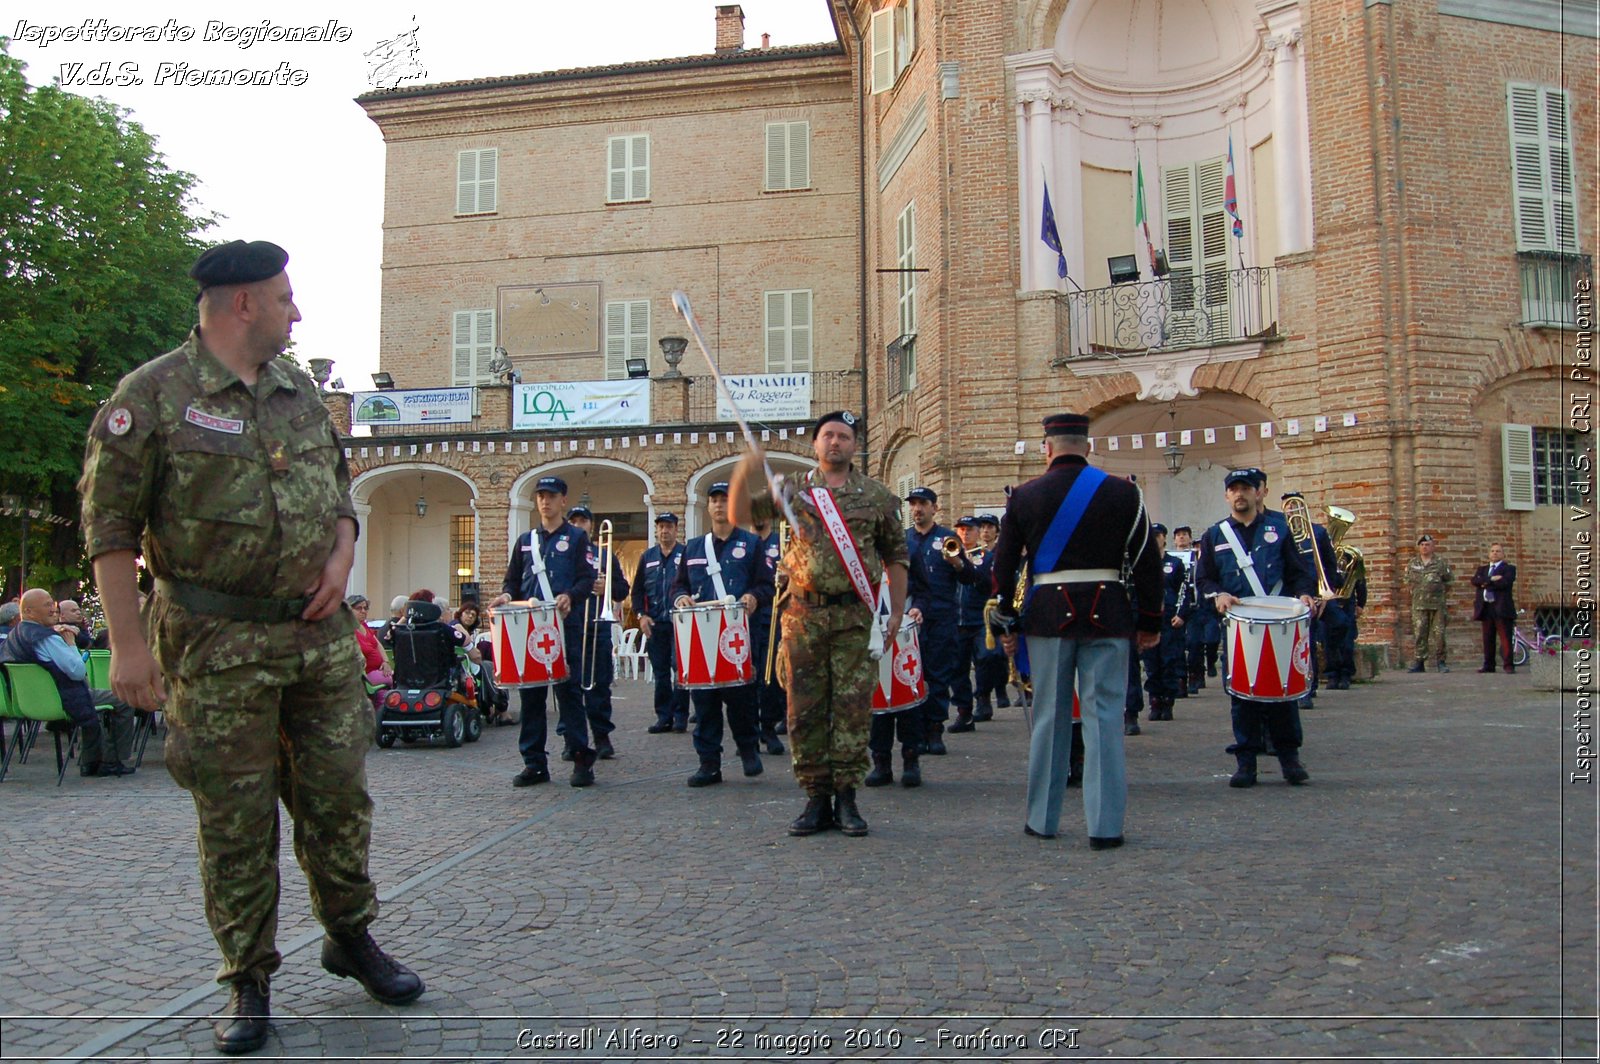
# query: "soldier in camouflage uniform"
218,462
1429,578
827,670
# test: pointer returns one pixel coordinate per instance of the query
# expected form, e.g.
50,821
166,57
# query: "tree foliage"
96,238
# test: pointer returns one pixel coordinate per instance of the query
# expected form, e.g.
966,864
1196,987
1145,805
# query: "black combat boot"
933,740
846,815
750,760
773,744
358,957
1245,775
882,773
817,817
1293,771
709,772
964,722
583,759
910,770
984,710
244,1029
1130,722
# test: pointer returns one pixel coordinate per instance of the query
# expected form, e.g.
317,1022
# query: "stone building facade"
1363,264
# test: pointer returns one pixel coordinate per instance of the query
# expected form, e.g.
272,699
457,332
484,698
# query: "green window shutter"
1516,466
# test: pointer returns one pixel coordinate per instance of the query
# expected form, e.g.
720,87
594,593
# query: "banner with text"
768,397
412,406
580,404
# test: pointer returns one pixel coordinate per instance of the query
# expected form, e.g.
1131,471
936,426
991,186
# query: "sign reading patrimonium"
767,397
412,406
580,404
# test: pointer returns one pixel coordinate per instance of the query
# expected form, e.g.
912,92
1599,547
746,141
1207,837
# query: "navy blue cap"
988,519
838,415
666,517
238,262
580,511
1239,476
925,494
1183,528
719,488
555,484
1158,527
967,522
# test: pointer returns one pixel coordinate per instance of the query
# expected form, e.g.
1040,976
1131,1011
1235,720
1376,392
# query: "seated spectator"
10,614
397,611
480,651
373,662
40,639
72,616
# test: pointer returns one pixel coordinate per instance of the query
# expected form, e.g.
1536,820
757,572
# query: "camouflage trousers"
830,678
1427,630
295,728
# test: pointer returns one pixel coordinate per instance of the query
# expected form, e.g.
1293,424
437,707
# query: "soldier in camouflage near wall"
1429,578
218,462
827,670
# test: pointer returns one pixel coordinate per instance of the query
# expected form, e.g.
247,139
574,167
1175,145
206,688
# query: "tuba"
1352,563
1297,512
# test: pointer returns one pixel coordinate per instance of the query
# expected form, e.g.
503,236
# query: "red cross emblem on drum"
544,643
907,663
734,645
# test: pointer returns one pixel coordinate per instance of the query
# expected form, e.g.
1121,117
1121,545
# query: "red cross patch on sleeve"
119,422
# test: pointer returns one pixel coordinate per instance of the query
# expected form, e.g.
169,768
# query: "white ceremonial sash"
844,545
714,569
1243,557
537,561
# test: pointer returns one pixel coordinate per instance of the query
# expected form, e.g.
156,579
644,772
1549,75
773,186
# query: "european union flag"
1052,238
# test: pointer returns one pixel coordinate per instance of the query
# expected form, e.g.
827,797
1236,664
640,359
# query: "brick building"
1359,261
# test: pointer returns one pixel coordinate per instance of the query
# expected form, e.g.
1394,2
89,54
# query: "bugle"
591,628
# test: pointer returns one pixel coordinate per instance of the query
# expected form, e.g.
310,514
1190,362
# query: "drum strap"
1246,563
714,568
536,561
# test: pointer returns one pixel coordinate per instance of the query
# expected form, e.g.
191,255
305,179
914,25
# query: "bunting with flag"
1230,196
1141,220
1050,236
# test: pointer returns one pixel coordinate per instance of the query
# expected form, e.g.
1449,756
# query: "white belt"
1079,576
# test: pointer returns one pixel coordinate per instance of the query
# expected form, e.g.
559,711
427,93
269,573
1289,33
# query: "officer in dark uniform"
652,604
970,600
1280,569
1085,535
597,696
1168,658
564,553
772,705
991,669
728,562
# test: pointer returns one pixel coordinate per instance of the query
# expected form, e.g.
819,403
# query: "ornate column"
1041,156
1068,199
1291,141
358,567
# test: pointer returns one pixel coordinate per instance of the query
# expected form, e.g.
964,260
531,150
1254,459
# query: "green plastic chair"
34,695
99,665
20,727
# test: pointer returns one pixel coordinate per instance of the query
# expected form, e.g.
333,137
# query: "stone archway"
616,492
697,519
402,549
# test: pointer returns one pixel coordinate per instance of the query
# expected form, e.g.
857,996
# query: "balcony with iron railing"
1181,311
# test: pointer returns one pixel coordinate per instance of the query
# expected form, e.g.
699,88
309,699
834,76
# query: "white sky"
302,165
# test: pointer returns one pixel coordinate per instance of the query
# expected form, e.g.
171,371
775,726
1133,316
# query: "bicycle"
1521,645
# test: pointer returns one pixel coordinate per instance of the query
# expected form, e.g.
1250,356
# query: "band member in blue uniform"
990,667
728,562
1195,622
772,705
1165,663
930,598
551,561
602,674
1084,535
970,600
1251,552
652,604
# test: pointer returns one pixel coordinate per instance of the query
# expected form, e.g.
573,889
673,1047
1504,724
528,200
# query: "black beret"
237,262
838,415
1066,425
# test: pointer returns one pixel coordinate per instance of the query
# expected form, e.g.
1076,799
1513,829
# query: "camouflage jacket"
227,487
870,512
1429,582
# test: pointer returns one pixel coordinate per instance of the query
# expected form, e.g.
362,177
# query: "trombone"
778,600
1297,512
591,628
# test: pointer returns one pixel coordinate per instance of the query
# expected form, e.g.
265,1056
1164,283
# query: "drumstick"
681,302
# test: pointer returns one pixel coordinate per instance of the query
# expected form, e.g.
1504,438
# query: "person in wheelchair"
426,661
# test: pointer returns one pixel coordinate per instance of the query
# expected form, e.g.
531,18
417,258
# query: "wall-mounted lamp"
383,381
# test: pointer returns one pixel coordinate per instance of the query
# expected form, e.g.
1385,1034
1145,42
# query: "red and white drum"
901,684
1269,648
713,646
529,650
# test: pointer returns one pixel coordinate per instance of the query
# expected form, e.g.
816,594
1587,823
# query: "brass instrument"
952,548
1297,512
1024,686
591,629
1351,562
778,599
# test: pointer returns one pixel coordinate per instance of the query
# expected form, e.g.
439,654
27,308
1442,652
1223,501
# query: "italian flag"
1141,220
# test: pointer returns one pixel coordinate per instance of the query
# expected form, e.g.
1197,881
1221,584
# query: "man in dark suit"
1494,607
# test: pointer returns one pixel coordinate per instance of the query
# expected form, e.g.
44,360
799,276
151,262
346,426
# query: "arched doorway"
697,521
419,528
613,491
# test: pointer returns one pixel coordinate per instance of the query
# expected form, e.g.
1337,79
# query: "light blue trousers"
1100,669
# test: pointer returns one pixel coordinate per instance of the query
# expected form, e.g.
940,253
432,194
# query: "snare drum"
713,646
1269,648
901,684
529,648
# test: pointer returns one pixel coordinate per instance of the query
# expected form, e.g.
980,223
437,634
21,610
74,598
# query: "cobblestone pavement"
1430,894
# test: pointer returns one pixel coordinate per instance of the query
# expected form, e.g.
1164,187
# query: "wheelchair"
433,695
